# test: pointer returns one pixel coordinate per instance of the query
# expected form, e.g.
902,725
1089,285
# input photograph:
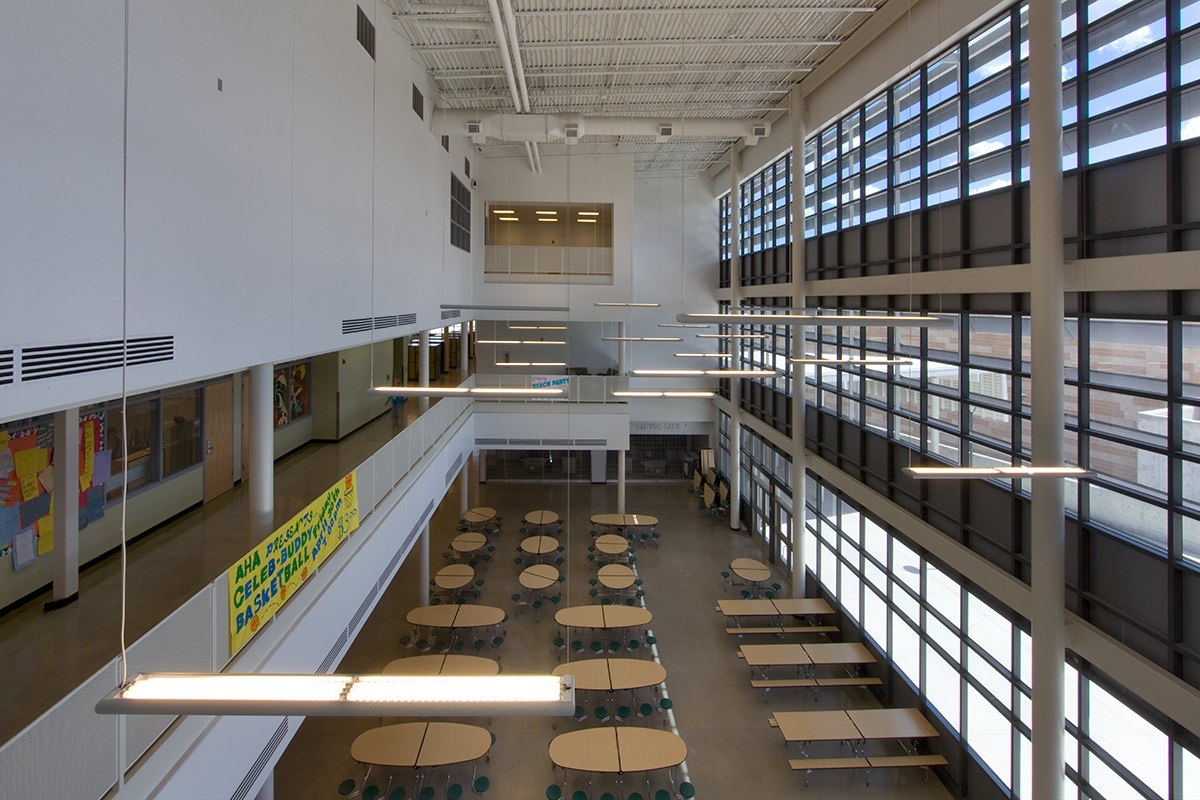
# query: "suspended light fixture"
682,325
703,355
933,473
486,307
518,341
451,391
627,305
648,393
721,373
850,361
342,695
731,336
640,339
531,363
537,327
886,321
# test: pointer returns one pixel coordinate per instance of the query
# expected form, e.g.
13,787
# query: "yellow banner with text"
261,582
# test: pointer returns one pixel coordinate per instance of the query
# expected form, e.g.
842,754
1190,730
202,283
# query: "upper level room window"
365,32
549,242
460,214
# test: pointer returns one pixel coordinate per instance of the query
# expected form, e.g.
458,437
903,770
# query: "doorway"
218,439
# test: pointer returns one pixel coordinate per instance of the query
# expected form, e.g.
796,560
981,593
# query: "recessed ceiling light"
509,219
546,212
503,211
589,213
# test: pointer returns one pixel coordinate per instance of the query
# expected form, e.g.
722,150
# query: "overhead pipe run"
570,128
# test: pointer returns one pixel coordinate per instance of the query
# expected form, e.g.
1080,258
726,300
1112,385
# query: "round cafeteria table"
611,544
625,520
613,674
617,750
539,545
479,515
454,576
468,542
751,570
539,576
452,664
454,615
421,744
541,517
616,576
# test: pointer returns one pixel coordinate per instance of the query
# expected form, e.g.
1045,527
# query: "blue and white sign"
549,382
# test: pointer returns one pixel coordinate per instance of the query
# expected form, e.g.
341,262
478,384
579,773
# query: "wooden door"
244,427
218,439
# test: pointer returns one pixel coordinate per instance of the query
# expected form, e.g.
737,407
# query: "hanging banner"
549,382
262,581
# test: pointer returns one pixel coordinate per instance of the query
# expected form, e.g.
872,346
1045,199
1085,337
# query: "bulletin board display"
27,485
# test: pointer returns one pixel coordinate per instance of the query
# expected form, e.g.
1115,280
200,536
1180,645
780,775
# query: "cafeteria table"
616,576
603,617
751,570
479,516
610,544
624,520
613,674
806,655
455,615
541,517
451,664
539,545
855,728
538,576
468,542
454,576
617,750
421,744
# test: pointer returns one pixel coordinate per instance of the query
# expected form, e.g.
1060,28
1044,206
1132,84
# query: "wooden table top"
625,520
541,517
468,542
432,616
613,674
454,576
455,615
801,606
839,653
538,576
421,744
748,608
452,664
601,616
620,749
480,514
539,545
816,726
775,655
748,569
477,616
612,544
616,576
892,723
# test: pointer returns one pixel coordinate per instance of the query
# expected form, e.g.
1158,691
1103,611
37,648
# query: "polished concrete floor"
48,654
732,751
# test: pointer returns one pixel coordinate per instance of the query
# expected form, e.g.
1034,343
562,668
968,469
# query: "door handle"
208,446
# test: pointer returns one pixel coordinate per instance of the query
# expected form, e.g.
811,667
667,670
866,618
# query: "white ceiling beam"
770,10
473,73
646,44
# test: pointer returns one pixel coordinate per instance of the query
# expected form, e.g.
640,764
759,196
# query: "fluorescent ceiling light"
702,355
518,341
640,339
864,320
531,363
342,695
503,211
537,327
682,325
587,220
509,219
668,372
628,305
731,336
632,393
637,394
426,391
546,212
589,213
513,391
743,373
486,307
1065,471
836,361
688,394
547,219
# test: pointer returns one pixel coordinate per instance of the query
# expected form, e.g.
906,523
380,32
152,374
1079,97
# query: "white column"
423,554
599,466
621,481
261,429
483,466
1046,364
464,494
463,352
735,384
66,508
621,365
799,450
423,369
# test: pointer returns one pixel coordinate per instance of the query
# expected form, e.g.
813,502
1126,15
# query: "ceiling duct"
554,128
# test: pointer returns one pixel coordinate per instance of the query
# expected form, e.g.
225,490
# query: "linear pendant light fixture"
531,363
884,321
682,325
828,362
627,305
640,339
485,307
935,473
454,391
664,393
731,336
342,695
518,341
703,355
720,373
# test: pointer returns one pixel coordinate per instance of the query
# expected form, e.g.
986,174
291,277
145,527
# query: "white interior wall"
249,209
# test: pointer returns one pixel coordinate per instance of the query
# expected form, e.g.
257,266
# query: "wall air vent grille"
366,33
260,763
6,367
331,657
363,324
452,313
78,358
450,473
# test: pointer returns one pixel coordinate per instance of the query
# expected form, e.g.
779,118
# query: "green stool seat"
665,704
645,709
427,793
455,792
580,794
346,787
662,794
397,794
371,792
481,784
554,792
687,791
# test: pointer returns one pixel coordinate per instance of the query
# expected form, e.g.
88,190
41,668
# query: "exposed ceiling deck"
687,59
